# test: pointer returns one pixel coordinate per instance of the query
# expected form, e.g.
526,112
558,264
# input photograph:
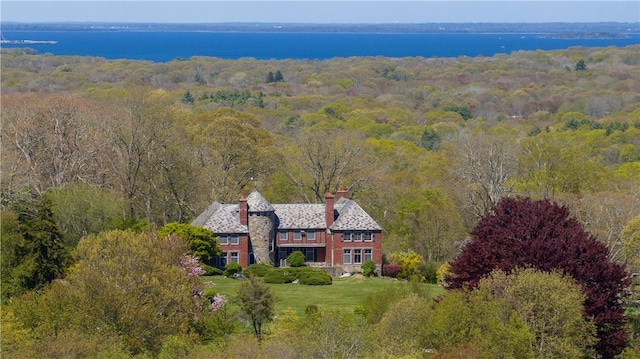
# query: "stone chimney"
342,192
328,209
243,212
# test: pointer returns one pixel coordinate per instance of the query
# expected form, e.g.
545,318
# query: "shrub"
298,271
232,268
316,277
409,261
296,259
258,269
279,276
210,270
391,270
368,268
443,272
428,271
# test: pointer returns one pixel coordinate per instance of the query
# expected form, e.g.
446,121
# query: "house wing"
352,217
300,216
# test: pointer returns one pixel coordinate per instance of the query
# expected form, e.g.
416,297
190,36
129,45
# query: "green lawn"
344,293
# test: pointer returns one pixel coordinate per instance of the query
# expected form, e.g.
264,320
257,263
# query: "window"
234,239
367,236
346,256
311,235
297,235
222,260
310,255
346,236
368,254
224,240
357,256
233,257
283,235
357,236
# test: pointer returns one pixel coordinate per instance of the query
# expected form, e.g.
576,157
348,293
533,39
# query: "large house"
335,234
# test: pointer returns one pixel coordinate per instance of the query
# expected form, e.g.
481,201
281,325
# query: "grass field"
344,293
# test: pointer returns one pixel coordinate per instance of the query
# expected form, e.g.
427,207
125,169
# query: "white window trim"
353,251
344,252
364,254
297,233
311,235
283,235
234,239
237,256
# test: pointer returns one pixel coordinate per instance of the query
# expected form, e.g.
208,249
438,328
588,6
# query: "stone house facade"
335,234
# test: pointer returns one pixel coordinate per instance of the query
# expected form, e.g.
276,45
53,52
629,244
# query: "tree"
581,65
278,77
486,166
257,302
427,222
551,305
202,243
136,288
188,98
270,78
81,209
401,331
231,149
630,238
33,254
540,234
325,161
473,318
49,141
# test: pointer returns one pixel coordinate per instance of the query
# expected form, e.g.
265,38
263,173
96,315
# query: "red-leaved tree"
526,233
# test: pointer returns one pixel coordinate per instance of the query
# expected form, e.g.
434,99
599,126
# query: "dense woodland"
426,146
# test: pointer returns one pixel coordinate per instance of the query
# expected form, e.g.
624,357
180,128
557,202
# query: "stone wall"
261,231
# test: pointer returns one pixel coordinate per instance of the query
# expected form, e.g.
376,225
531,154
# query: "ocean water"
166,46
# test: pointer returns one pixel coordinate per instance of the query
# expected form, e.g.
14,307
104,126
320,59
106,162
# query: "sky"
329,11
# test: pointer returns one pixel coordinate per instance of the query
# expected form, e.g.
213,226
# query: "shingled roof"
352,217
257,203
298,216
224,218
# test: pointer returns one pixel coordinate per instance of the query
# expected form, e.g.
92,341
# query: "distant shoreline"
601,30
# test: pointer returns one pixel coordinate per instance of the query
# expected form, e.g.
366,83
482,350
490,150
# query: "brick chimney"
342,192
328,209
243,213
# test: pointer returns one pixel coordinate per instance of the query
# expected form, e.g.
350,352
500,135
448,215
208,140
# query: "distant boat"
4,41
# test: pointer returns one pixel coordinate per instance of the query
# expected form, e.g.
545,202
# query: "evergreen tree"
524,233
188,98
33,254
270,78
278,77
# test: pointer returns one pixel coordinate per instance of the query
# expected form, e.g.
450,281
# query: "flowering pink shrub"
391,270
192,266
218,302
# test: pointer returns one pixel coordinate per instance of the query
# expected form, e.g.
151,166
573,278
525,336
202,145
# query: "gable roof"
352,217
